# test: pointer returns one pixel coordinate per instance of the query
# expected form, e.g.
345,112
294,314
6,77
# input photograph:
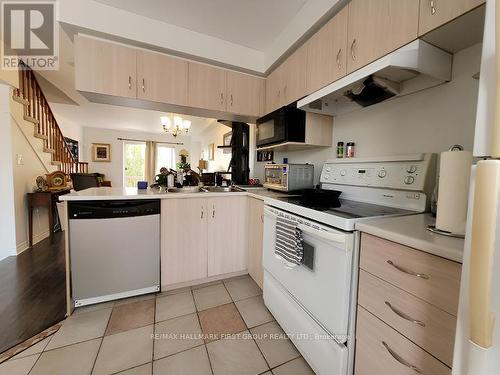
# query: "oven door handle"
331,237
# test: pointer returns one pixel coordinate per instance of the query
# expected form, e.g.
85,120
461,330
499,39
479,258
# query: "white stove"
315,302
371,187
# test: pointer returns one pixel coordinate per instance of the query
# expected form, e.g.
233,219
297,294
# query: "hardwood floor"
32,291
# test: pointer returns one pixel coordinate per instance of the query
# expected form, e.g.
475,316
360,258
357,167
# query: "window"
134,161
165,157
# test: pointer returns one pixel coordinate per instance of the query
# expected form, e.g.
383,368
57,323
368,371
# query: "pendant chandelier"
175,125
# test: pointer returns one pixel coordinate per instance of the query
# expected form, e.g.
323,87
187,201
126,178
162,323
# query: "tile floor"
219,328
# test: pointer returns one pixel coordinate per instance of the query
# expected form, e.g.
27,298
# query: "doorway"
134,163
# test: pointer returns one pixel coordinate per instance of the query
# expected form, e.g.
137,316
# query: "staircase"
37,111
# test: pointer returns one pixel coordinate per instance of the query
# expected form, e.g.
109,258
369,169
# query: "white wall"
428,121
214,134
7,213
25,175
113,170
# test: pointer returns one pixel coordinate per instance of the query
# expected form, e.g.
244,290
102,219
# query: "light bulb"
186,124
166,122
178,122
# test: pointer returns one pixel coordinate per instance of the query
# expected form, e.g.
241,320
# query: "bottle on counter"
340,150
349,152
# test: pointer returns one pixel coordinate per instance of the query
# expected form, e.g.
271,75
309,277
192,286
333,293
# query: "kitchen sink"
221,189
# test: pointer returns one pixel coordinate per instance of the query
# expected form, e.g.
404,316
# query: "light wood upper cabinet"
255,239
244,94
434,13
273,90
206,87
376,28
162,78
104,68
227,234
183,240
293,77
326,53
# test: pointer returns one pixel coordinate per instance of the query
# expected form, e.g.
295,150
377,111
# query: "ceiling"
250,23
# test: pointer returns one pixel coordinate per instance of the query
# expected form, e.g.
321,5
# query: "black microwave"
287,124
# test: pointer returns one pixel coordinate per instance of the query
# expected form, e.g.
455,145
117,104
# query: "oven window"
265,130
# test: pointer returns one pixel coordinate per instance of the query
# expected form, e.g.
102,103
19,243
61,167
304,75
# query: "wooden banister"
37,110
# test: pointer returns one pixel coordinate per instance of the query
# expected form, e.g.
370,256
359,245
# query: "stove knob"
382,173
328,169
327,176
411,169
409,180
343,172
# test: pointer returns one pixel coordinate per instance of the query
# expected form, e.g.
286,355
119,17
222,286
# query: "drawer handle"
403,315
401,269
398,358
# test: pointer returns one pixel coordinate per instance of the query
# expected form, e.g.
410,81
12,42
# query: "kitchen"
362,239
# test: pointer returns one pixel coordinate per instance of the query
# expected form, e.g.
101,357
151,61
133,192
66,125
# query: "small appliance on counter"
453,190
289,177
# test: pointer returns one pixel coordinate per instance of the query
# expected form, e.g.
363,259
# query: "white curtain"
150,161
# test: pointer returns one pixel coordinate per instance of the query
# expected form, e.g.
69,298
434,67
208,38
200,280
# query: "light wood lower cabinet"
255,239
183,240
407,306
202,237
227,234
382,350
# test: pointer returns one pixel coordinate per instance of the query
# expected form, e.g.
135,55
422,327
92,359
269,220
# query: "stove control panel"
406,172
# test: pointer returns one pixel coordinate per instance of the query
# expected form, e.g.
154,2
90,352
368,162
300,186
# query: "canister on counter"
340,150
349,152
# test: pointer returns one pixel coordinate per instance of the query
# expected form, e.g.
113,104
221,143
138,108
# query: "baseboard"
165,288
23,246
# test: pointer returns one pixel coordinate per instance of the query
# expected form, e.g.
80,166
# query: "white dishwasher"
114,249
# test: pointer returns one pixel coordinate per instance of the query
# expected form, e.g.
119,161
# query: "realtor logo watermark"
30,33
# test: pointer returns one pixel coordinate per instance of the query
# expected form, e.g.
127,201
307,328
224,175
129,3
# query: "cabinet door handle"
221,98
339,53
143,85
213,211
408,272
400,359
130,82
202,214
262,218
403,315
433,8
353,44
231,100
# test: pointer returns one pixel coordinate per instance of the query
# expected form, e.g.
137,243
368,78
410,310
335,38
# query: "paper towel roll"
454,176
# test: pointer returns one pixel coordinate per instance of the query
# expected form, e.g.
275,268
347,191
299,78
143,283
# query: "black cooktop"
329,201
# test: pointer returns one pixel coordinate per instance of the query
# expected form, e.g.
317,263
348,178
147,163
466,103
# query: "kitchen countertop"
412,231
107,193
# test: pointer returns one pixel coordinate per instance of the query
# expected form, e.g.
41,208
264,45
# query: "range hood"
414,67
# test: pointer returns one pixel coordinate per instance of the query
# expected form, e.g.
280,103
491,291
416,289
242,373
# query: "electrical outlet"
20,159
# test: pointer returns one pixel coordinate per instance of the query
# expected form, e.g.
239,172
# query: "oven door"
271,129
322,284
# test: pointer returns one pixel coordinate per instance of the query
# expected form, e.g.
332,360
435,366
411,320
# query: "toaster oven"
289,177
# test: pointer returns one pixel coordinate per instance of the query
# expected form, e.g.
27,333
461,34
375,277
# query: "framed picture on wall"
211,151
101,152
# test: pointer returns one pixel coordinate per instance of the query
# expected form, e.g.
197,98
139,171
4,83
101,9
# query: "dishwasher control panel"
108,209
